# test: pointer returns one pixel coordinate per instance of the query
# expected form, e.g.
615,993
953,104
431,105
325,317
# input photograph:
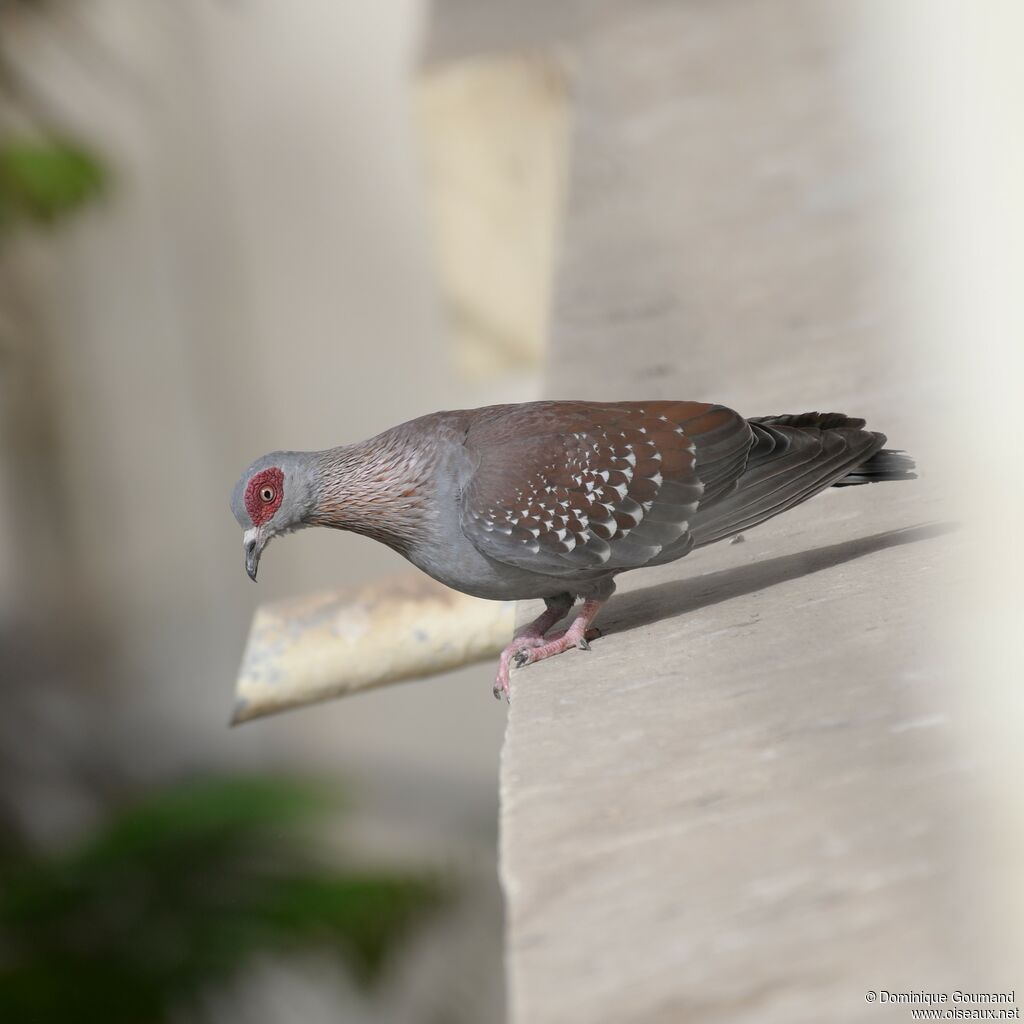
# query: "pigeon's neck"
380,488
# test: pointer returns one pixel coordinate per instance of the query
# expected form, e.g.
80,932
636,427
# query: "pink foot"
529,636
532,646
521,643
557,644
518,652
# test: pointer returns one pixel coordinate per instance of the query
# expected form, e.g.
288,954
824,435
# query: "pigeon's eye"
263,495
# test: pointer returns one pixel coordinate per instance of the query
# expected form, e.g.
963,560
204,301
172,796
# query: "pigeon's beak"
254,543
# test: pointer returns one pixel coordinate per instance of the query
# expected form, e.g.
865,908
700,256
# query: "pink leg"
521,654
531,635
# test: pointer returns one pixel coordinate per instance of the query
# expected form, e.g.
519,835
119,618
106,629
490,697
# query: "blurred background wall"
255,273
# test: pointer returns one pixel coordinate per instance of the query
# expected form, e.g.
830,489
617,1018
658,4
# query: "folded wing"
571,488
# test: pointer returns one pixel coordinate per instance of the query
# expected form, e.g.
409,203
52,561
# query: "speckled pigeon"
554,499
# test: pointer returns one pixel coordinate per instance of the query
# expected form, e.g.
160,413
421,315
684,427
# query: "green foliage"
178,892
44,180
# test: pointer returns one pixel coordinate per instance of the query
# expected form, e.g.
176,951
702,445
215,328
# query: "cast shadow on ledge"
679,597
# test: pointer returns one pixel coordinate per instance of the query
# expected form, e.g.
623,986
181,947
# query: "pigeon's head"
273,496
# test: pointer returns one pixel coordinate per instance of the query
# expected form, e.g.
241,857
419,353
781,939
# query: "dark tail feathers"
885,464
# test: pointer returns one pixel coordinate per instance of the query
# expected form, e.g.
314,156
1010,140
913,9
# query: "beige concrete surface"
339,642
753,800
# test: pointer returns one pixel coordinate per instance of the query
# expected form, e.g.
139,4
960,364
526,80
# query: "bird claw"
534,646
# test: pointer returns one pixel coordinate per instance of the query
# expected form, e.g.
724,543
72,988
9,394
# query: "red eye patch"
263,494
